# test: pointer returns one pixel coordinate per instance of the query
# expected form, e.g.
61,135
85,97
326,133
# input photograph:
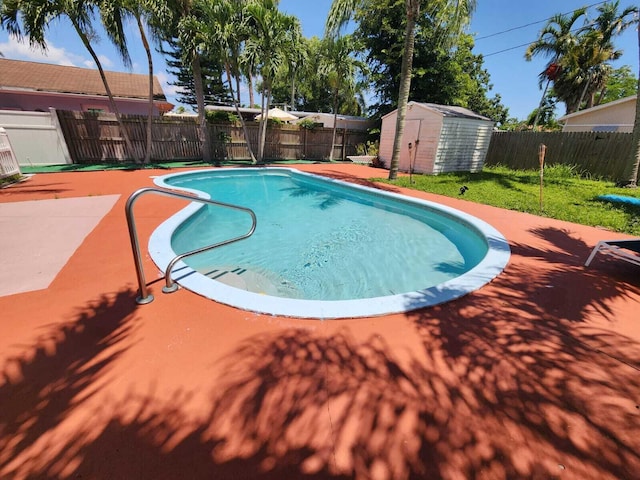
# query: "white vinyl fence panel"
36,137
8,163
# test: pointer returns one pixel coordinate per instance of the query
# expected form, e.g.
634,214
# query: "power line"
507,49
533,23
518,46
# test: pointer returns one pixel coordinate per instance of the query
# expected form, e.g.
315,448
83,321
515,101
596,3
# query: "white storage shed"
437,139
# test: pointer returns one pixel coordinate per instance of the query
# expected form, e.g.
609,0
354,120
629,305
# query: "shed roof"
447,111
45,77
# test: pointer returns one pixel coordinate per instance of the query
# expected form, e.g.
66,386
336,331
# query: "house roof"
604,106
447,111
303,115
45,77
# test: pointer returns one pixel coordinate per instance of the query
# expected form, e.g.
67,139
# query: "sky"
502,28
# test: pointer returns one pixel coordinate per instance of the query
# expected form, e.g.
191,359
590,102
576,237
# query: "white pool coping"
490,266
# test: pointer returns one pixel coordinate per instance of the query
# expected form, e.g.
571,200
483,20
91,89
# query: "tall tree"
622,83
630,176
312,93
153,13
451,16
339,68
449,76
224,24
556,40
214,90
579,65
31,18
184,26
273,34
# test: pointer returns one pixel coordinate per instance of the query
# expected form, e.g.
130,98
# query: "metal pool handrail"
170,286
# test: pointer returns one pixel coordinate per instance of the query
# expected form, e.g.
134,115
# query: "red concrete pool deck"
536,375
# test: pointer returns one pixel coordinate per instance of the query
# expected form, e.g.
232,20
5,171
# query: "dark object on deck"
627,250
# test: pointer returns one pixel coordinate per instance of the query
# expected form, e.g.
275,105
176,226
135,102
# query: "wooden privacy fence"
600,154
95,138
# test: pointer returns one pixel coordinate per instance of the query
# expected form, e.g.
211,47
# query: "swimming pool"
323,248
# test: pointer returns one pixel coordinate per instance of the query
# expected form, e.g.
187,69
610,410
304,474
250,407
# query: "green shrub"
308,124
218,116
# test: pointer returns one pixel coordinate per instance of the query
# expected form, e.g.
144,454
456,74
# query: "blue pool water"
320,245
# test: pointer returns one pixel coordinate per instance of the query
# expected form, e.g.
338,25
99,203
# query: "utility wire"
507,49
532,23
518,46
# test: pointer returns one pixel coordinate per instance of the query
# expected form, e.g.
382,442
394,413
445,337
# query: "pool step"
218,273
228,276
250,280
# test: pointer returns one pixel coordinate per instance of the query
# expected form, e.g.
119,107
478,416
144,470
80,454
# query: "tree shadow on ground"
358,180
550,394
28,188
504,384
481,401
63,368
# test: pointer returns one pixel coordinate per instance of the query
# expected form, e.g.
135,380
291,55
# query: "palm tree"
606,26
581,55
273,34
339,68
295,58
31,18
557,40
223,24
185,25
633,166
451,15
154,13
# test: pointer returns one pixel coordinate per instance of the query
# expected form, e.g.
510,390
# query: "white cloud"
16,50
105,61
169,90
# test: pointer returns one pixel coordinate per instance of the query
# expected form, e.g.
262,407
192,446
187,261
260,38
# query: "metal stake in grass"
410,165
412,161
542,150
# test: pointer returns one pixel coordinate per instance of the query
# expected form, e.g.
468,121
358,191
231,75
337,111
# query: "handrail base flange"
170,289
144,300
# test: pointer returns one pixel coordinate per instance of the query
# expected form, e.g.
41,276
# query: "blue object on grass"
620,199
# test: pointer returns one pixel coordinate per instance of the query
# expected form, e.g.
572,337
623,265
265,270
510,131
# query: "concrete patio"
535,375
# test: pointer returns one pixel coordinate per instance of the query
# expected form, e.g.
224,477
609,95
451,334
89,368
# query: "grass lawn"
566,196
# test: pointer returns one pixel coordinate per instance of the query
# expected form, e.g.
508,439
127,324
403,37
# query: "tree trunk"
244,125
266,95
335,124
630,175
202,119
413,10
127,141
147,49
250,85
293,89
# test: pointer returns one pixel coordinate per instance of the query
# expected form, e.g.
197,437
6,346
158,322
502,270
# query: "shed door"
409,136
